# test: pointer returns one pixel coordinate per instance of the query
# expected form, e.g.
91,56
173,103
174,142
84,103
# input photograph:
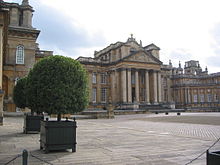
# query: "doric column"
188,94
136,86
159,86
124,85
113,86
118,92
147,89
129,86
155,87
185,95
169,91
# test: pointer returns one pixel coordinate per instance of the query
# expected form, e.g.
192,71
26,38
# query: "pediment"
142,57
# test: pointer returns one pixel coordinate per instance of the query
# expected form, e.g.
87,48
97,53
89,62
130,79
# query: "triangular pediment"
142,56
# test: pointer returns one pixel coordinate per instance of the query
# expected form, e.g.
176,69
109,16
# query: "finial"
140,43
25,2
206,69
179,64
170,63
131,35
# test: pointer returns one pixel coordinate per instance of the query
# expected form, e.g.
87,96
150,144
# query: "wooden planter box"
213,158
58,135
32,123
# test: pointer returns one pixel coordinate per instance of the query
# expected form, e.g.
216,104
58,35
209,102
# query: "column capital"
121,69
146,70
156,71
135,69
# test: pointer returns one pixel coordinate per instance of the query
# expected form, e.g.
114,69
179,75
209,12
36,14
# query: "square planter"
213,158
58,135
32,123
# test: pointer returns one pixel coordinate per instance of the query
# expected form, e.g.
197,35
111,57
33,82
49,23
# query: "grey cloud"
58,31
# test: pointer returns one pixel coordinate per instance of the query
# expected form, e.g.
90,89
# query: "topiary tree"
19,94
57,85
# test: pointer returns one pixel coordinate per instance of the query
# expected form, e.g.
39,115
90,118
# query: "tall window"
209,97
103,78
195,97
93,95
94,78
20,54
202,98
103,94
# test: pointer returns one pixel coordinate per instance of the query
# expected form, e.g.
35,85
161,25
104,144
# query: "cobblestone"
132,139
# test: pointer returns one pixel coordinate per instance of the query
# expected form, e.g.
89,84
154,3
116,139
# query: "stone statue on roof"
25,2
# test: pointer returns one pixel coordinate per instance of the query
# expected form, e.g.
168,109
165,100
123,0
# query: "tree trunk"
59,117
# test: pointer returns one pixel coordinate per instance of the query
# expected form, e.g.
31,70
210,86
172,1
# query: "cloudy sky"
183,29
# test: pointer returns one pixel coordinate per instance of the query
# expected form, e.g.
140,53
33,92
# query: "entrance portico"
138,86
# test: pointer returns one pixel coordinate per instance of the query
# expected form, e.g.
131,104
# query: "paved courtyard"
145,139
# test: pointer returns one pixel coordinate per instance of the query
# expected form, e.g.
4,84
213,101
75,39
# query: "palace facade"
196,89
126,74
18,49
131,76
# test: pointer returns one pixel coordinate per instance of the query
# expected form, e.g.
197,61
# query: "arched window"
20,54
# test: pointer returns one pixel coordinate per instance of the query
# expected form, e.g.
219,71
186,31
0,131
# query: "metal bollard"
25,157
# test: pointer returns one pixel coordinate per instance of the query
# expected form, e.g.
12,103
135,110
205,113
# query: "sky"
183,29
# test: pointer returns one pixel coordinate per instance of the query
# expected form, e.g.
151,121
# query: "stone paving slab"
126,140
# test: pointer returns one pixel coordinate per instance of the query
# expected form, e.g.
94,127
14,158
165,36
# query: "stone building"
127,74
131,76
21,51
195,89
4,15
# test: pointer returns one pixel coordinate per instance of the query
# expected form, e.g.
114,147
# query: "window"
132,49
195,99
103,78
103,94
202,98
20,54
164,82
94,78
93,95
209,97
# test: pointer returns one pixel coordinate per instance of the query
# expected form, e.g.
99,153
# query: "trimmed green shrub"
57,85
19,95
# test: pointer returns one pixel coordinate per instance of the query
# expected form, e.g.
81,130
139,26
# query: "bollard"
25,157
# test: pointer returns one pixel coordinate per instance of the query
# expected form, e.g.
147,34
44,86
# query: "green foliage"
19,96
57,85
